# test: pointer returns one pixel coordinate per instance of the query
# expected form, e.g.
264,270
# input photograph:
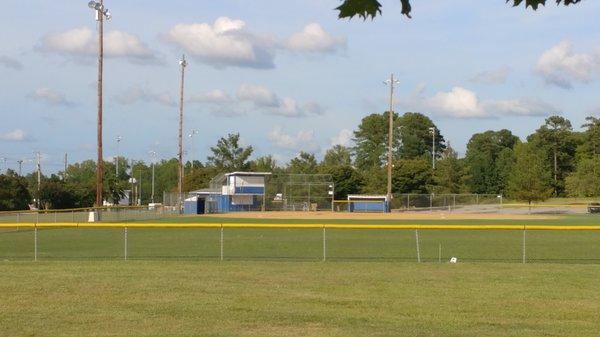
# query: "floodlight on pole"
191,136
392,83
153,156
101,14
119,138
432,130
183,64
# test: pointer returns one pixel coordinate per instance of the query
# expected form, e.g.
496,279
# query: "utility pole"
432,129
20,161
117,163
39,178
183,64
191,155
65,171
153,155
140,189
101,13
391,82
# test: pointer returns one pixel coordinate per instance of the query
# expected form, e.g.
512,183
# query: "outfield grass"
175,298
299,244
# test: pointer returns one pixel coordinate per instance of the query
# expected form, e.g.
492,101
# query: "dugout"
368,203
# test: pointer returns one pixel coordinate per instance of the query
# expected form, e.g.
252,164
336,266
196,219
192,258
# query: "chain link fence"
109,214
312,244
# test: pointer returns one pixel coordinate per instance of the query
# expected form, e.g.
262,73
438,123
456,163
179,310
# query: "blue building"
230,192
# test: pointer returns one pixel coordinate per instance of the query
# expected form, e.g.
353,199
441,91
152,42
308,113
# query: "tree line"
554,161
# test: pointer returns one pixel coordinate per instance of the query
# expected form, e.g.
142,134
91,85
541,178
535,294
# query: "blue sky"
286,75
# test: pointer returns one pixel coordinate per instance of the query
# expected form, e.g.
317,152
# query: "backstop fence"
78,215
302,242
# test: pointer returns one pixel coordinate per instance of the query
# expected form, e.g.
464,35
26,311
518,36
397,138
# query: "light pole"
183,64
432,130
20,162
101,14
153,156
119,138
391,82
191,136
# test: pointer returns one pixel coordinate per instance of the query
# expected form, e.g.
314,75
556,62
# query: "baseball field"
264,274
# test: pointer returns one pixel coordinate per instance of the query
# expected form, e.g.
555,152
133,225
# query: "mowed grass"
299,244
261,298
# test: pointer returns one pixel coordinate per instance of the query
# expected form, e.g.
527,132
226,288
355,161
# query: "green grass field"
261,298
307,244
273,282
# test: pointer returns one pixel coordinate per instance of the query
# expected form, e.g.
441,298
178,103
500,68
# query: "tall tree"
417,138
229,155
337,156
412,176
483,152
14,194
372,8
531,176
557,139
585,181
264,164
304,163
449,173
590,145
371,141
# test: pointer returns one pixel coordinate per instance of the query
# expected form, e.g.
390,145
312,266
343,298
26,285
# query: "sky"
287,75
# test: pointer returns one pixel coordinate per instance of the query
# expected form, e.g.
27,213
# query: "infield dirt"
384,216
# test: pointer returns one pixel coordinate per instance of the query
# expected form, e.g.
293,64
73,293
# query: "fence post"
431,202
125,244
418,248
72,216
324,244
37,216
18,217
35,243
524,244
221,242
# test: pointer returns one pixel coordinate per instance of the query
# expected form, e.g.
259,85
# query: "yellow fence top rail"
299,226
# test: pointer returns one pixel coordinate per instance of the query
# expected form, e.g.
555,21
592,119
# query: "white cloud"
216,96
260,95
10,63
266,100
344,138
464,103
496,76
313,38
16,135
301,141
51,97
225,43
83,42
561,67
229,43
137,93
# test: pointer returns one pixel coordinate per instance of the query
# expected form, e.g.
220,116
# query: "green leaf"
362,8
